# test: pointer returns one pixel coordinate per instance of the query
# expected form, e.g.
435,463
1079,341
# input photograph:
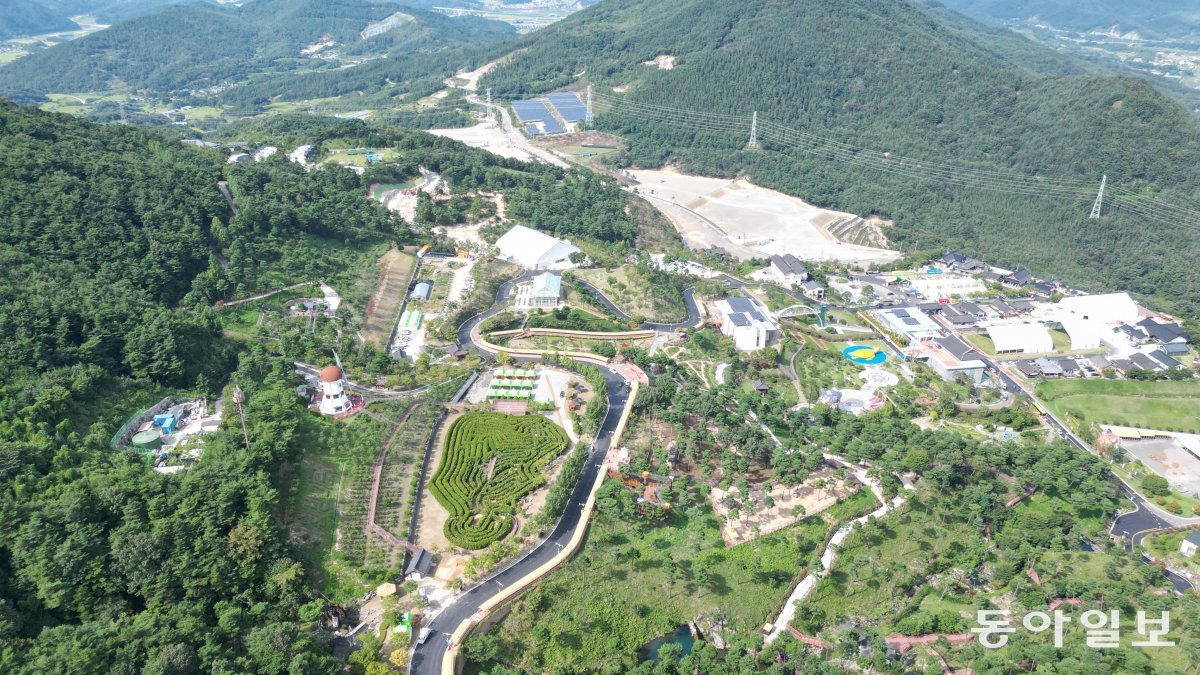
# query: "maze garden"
481,508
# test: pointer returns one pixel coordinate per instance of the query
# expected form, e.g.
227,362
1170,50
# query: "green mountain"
887,76
199,46
27,17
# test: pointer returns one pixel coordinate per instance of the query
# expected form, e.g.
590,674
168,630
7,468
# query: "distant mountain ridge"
27,17
888,76
200,45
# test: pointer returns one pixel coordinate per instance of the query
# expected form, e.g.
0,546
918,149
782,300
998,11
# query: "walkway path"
809,583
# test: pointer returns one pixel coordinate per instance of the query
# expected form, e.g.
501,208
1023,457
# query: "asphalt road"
427,658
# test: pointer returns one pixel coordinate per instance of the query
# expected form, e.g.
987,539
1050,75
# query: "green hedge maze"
481,508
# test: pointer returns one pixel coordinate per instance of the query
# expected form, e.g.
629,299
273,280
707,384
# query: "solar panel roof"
552,126
532,129
531,111
569,106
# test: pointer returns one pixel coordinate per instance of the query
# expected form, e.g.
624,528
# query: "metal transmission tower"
491,112
1099,198
589,116
754,130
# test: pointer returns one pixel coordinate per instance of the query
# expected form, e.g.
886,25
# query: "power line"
787,138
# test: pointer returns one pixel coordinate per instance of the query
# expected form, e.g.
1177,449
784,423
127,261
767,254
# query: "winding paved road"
428,658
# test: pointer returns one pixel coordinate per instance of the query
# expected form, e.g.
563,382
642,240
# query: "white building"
1083,334
238,158
333,391
1107,309
951,357
788,270
535,250
1025,338
748,325
544,291
1190,544
911,323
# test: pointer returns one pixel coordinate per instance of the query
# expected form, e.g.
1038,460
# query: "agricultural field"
490,461
395,269
326,511
1169,406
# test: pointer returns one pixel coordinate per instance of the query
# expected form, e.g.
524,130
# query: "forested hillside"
883,75
29,17
103,230
197,46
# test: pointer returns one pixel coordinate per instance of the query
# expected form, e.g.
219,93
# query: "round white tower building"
333,392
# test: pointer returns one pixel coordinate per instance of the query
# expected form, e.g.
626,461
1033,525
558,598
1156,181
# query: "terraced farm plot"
490,461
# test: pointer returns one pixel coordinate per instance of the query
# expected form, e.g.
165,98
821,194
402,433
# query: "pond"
682,636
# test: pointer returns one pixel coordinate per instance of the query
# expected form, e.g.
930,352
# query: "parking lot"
1169,459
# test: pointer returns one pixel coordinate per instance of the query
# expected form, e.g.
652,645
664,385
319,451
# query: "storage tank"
147,440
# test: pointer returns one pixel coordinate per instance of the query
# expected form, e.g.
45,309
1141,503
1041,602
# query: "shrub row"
481,509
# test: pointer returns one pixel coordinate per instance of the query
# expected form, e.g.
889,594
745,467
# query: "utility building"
536,250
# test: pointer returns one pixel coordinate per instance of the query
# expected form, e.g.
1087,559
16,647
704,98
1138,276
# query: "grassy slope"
1154,405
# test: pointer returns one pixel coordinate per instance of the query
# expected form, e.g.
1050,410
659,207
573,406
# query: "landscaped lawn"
1171,406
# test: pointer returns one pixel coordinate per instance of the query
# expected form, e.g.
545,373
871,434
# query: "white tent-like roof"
535,250
1109,308
1029,338
1083,334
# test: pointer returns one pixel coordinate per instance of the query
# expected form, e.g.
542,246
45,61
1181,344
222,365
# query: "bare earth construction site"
750,221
